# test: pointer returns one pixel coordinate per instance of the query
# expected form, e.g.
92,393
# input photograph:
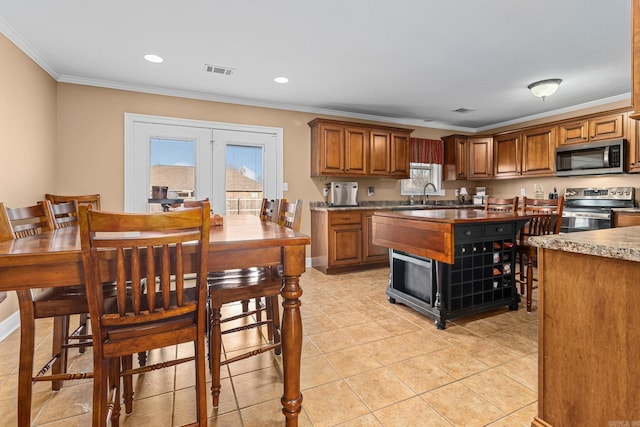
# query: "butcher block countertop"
618,243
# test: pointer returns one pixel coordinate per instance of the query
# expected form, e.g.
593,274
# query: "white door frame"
136,177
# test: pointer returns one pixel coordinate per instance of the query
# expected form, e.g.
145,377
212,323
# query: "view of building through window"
172,164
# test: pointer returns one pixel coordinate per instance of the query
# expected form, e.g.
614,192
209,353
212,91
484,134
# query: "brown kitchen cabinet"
529,152
596,128
626,219
455,157
633,147
357,150
635,60
480,152
341,241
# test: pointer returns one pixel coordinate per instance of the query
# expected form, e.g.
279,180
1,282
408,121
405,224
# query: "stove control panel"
609,193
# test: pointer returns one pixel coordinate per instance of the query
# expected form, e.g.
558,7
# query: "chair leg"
201,380
275,313
127,380
259,307
84,330
101,387
59,347
529,282
521,273
245,305
215,350
114,380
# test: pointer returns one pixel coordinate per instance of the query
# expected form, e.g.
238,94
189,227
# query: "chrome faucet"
424,192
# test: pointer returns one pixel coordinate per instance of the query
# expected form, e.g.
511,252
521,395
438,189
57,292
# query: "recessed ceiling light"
281,80
153,58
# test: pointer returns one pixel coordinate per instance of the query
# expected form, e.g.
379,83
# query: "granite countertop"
628,210
394,205
619,243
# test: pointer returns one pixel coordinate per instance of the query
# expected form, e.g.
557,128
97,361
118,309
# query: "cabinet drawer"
502,230
467,233
339,218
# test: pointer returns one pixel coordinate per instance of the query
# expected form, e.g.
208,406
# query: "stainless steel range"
591,208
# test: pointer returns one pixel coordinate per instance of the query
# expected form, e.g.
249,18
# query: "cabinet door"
574,132
480,158
633,137
346,245
538,151
331,146
356,149
371,252
607,127
455,157
506,155
379,153
635,69
399,151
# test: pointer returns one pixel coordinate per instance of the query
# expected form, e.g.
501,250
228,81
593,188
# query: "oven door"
585,221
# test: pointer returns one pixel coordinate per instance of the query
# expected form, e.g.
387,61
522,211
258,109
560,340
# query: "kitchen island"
448,263
589,328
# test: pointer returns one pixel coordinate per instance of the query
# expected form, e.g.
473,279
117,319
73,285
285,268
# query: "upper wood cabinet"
455,157
529,152
480,151
467,157
635,52
352,149
596,128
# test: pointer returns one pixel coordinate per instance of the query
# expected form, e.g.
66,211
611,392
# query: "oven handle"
595,215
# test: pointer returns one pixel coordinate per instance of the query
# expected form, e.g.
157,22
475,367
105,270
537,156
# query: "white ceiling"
401,61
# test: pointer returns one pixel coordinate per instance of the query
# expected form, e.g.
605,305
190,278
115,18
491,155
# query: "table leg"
293,266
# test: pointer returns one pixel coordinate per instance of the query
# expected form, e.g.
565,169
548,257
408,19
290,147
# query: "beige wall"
27,135
91,126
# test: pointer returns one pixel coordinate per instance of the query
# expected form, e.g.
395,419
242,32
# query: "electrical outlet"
457,192
523,191
325,191
370,191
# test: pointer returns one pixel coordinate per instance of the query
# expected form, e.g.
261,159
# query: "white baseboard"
8,325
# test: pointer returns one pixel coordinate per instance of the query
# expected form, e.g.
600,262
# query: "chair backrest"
269,210
87,199
495,204
549,224
27,221
290,214
176,239
63,214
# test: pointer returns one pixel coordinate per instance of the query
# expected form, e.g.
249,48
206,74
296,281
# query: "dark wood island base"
448,263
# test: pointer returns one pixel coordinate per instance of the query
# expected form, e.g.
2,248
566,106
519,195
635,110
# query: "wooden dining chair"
85,199
548,223
269,209
58,303
496,204
162,249
64,214
246,284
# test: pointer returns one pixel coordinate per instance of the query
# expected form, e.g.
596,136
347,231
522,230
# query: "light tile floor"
366,362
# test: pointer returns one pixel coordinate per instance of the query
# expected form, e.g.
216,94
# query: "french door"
232,165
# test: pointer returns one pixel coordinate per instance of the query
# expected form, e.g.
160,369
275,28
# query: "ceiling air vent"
217,69
463,110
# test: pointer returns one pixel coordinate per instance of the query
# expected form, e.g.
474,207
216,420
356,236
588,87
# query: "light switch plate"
285,186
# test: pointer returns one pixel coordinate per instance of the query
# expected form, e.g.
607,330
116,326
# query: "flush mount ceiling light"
153,58
281,80
544,88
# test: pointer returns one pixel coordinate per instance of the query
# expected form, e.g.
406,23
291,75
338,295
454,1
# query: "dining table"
54,259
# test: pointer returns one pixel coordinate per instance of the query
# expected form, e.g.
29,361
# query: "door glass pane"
244,179
172,164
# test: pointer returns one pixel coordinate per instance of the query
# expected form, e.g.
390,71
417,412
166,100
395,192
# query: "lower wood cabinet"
626,219
341,241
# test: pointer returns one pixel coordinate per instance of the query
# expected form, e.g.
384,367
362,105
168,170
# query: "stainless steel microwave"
592,158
